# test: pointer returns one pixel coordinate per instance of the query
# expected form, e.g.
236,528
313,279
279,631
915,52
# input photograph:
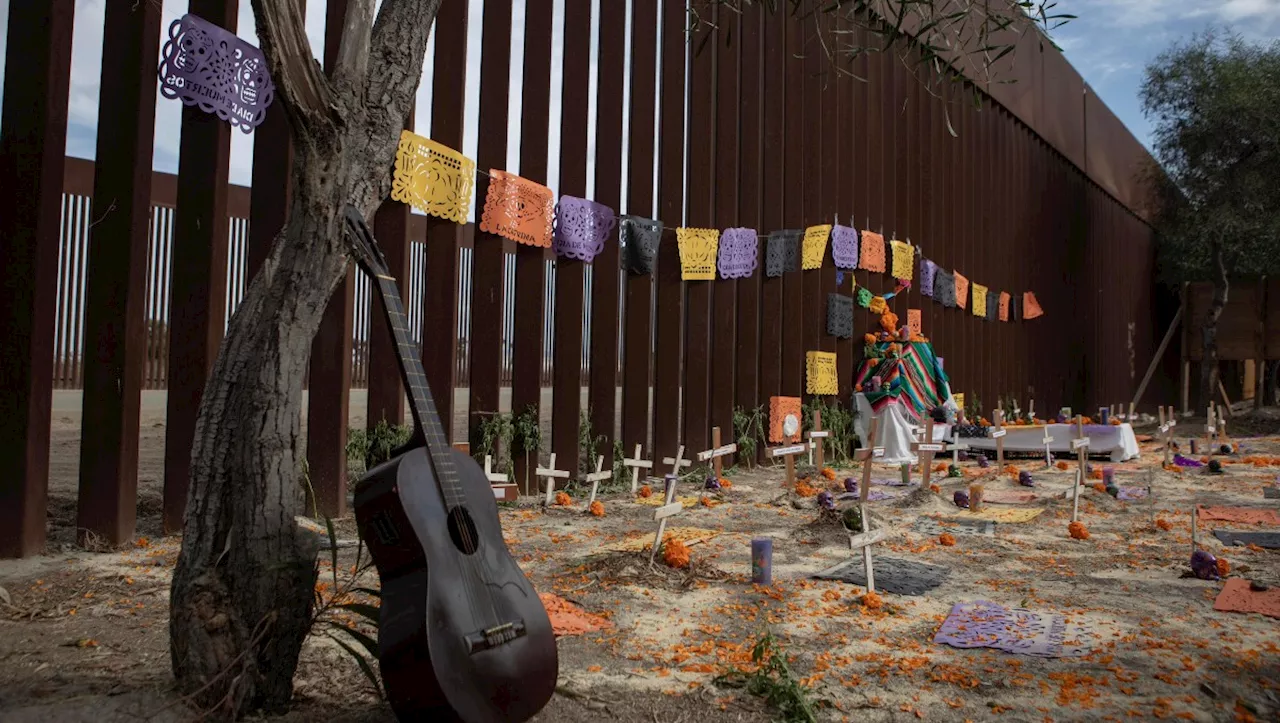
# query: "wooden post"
636,464
998,435
1223,413
925,451
595,478
503,490
1151,493
717,453
1164,431
678,462
866,455
669,507
816,436
1048,453
1210,425
551,474
1081,446
789,453
1195,528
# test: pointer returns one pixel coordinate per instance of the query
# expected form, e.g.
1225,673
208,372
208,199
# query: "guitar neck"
421,404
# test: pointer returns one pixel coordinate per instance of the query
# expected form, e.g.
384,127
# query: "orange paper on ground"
569,619
1237,597
962,291
1240,515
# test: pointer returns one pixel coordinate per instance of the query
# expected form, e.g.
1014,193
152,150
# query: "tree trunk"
1209,332
241,599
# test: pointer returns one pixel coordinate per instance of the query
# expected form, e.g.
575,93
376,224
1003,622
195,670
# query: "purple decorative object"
1204,565
927,271
1195,446
1024,479
982,461
1186,461
961,499
581,228
1104,415
850,485
207,66
826,501
844,247
737,253
762,561
984,624
713,483
1109,476
1129,494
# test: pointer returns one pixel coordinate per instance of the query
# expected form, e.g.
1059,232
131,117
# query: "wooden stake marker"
669,507
1081,447
595,478
925,451
1048,452
717,453
503,491
678,462
816,436
550,474
867,537
636,464
997,417
790,454
1211,428
1165,431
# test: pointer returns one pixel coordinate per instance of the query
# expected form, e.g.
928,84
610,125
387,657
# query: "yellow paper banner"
814,247
904,260
820,368
433,178
698,253
979,300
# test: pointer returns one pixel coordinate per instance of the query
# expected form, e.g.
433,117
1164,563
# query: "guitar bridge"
490,638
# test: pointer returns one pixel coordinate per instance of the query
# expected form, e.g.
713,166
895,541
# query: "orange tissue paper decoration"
1078,531
868,338
674,552
518,209
1030,307
946,539
1004,305
872,601
646,491
878,305
563,499
597,509
914,323
889,321
872,252
1062,465
962,291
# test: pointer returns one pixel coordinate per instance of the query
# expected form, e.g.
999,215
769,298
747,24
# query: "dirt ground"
83,636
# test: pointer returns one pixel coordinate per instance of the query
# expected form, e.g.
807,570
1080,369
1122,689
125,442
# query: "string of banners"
209,67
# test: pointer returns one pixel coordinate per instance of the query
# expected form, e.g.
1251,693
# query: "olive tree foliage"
961,43
1213,101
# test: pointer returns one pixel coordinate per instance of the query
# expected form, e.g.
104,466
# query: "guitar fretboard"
421,404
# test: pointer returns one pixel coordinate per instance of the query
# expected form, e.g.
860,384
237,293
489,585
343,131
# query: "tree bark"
240,603
1209,332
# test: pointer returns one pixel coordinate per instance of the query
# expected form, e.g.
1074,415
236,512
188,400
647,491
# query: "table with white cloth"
895,430
1116,440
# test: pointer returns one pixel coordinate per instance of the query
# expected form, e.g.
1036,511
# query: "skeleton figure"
195,48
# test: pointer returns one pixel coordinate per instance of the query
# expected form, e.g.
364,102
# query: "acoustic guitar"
462,633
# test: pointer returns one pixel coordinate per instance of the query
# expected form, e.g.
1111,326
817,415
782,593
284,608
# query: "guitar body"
438,599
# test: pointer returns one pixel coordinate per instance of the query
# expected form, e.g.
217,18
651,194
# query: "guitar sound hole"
462,530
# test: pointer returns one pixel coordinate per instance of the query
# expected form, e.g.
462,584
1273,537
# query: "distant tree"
1214,102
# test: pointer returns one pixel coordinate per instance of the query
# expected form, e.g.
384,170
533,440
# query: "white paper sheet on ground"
1118,441
894,431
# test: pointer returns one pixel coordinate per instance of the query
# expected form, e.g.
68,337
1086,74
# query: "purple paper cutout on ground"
873,495
207,66
844,247
581,228
1129,494
927,271
984,624
736,256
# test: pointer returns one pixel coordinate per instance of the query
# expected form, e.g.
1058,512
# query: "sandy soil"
84,635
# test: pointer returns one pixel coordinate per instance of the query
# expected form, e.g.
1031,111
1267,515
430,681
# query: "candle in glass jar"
975,497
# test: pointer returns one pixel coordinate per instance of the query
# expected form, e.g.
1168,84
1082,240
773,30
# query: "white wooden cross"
1222,425
1032,412
925,451
678,462
550,474
1081,446
1048,453
636,464
868,536
790,453
503,490
1210,427
595,478
998,435
669,507
955,447
1164,431
816,435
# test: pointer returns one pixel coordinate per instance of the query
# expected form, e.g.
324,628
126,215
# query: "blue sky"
1109,44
